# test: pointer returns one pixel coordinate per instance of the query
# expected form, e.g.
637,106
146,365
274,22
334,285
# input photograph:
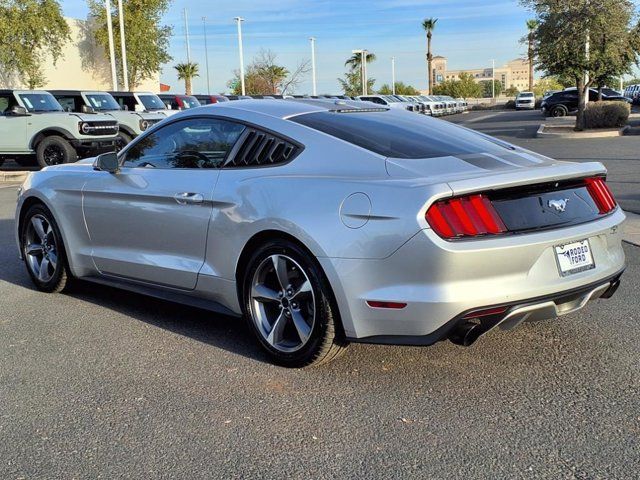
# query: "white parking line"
482,117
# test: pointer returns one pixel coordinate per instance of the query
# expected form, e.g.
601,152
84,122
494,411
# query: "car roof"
285,108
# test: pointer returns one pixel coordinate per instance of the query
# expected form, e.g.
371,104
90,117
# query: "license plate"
574,257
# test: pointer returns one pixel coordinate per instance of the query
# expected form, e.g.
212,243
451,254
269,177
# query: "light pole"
123,47
393,75
112,53
313,64
239,21
186,34
206,53
493,80
363,68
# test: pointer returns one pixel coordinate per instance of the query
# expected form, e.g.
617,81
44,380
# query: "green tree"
428,25
187,71
351,84
487,92
31,32
532,25
401,89
464,87
565,28
633,81
545,84
146,39
512,91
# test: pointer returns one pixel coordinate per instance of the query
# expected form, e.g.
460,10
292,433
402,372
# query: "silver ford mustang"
325,222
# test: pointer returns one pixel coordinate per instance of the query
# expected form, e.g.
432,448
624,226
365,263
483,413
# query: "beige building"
514,74
84,65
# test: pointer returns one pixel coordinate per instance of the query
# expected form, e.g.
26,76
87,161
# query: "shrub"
606,114
511,104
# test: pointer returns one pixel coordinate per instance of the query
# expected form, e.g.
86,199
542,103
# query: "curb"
631,229
13,177
541,133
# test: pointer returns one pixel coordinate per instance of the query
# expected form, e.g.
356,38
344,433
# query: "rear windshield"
189,101
399,136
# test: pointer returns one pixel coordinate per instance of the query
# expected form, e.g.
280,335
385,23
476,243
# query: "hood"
484,171
93,117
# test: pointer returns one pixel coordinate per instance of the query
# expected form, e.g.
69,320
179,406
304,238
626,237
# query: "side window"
190,143
4,104
68,103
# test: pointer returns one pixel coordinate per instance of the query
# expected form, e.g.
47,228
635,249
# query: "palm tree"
354,62
429,24
186,71
532,25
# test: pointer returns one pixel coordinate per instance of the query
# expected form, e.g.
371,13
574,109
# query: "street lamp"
206,53
393,75
363,68
186,35
123,48
313,64
112,52
239,21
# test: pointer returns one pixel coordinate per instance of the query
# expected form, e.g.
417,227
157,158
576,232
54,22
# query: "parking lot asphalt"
101,383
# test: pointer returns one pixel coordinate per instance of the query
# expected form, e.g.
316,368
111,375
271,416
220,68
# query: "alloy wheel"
53,155
283,303
40,248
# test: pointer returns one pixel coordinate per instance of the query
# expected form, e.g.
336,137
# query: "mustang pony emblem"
559,205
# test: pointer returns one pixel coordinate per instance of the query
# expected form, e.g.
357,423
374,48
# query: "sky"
469,33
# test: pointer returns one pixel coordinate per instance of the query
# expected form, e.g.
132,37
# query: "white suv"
526,100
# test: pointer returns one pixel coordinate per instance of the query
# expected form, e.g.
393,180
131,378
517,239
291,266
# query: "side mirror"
88,109
19,111
107,162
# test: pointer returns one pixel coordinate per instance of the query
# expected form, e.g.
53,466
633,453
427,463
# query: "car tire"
297,324
123,140
558,111
43,250
55,150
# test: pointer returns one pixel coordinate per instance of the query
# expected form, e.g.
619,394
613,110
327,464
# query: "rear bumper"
440,281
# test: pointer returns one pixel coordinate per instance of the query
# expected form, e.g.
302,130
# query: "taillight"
465,217
601,194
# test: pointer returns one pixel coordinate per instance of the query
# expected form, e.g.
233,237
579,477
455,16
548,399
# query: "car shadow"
221,331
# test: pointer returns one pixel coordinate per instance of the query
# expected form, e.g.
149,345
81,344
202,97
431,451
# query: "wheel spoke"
264,294
302,327
304,289
275,336
38,226
280,266
53,259
43,273
34,249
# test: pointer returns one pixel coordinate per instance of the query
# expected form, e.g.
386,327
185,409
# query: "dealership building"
513,74
84,65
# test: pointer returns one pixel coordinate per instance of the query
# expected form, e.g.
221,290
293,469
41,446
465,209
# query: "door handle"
188,198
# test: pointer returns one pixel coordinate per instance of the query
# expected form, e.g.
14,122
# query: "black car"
566,102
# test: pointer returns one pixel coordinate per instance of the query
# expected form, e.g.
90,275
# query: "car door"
13,128
149,221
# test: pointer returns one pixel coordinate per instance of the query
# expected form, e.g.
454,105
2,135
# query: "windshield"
610,93
189,102
526,95
102,102
400,136
151,102
40,102
391,99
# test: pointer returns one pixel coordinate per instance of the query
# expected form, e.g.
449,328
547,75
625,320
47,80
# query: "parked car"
450,104
130,123
209,99
632,92
387,100
426,230
34,125
179,102
566,102
415,106
526,100
548,93
438,107
142,102
238,97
